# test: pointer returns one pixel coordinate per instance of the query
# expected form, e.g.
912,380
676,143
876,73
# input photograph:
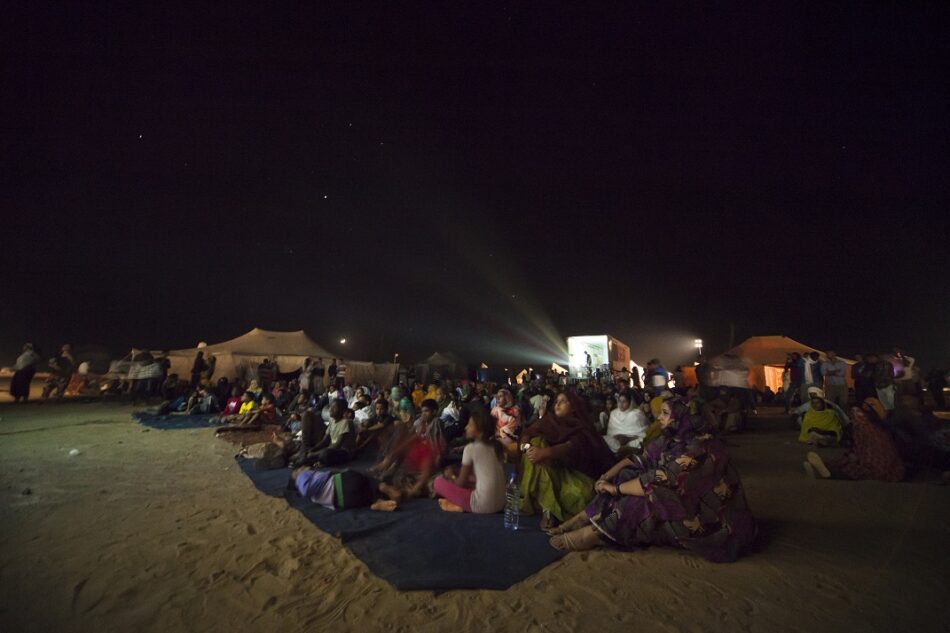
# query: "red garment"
418,455
233,405
874,455
268,414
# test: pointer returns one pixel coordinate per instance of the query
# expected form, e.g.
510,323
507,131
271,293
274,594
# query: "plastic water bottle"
512,503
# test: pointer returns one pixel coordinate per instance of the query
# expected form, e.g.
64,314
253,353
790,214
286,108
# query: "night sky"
481,180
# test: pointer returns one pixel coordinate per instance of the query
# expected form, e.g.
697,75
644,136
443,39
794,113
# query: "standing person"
340,373
657,378
936,381
319,371
836,389
23,372
197,367
811,373
208,373
164,364
61,371
331,372
905,373
882,375
795,366
861,375
266,374
306,376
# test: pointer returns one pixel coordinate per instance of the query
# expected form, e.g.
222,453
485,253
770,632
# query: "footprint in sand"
691,561
77,589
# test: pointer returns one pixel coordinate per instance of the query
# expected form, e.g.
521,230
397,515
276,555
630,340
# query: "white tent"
764,357
448,365
240,356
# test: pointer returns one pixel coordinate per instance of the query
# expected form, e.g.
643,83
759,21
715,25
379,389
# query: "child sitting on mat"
265,414
482,470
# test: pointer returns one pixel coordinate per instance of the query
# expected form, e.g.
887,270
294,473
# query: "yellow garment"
417,397
247,407
430,394
654,431
656,406
254,388
826,420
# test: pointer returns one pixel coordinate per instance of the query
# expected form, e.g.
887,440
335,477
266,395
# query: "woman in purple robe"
682,492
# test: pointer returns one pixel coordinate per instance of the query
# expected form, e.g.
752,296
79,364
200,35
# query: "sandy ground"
159,531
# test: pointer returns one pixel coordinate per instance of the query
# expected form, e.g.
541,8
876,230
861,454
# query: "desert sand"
159,531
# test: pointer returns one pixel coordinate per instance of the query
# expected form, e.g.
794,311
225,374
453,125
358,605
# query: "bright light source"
698,342
342,341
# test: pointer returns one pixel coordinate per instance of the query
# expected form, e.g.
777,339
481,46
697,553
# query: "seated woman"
682,492
626,426
255,389
821,425
479,486
874,454
565,455
507,417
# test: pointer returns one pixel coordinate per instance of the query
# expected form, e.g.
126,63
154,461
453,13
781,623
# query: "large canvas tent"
765,357
448,365
240,356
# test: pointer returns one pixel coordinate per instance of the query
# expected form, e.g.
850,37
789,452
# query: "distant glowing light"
342,341
140,136
324,197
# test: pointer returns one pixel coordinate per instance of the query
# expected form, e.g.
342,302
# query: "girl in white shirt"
480,484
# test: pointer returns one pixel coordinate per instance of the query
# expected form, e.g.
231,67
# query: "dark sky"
478,179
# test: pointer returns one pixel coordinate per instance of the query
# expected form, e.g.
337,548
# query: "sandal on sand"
548,522
568,543
568,526
815,461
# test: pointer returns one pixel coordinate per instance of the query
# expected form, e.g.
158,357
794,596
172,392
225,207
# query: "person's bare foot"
448,506
384,505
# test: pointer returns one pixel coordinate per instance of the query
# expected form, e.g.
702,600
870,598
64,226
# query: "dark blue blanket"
421,547
166,422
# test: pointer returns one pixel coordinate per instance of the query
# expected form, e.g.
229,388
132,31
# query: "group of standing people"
61,369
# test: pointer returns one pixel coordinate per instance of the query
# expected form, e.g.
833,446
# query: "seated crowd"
605,461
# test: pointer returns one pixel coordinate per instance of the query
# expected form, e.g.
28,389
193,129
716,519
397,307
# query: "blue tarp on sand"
420,547
169,422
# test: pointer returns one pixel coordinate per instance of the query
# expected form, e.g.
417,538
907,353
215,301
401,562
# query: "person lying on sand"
339,490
